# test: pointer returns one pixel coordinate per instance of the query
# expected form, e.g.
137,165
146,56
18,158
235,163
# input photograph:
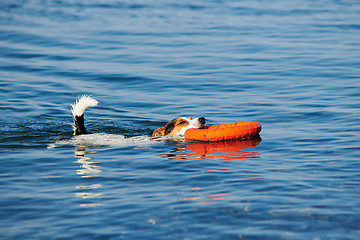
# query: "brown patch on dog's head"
159,132
173,127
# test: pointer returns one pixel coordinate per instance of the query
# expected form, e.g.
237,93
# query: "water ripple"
291,65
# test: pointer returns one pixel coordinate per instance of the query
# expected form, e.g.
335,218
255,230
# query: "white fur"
193,123
82,104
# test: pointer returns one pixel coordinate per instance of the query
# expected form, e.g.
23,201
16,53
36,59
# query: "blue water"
293,66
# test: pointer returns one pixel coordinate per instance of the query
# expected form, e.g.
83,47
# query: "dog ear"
159,132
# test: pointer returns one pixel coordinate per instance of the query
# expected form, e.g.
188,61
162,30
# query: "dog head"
179,126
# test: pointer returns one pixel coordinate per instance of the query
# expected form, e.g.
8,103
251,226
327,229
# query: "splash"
102,139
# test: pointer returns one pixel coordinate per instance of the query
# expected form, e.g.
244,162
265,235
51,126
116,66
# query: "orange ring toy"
224,131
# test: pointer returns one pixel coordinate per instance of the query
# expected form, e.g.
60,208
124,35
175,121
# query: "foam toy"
223,132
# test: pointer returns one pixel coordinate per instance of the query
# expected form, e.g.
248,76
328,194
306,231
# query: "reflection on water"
227,155
231,152
87,169
224,150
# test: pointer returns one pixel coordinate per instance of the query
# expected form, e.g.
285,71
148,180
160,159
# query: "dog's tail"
78,110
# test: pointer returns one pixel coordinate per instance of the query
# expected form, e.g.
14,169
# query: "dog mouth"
202,126
202,122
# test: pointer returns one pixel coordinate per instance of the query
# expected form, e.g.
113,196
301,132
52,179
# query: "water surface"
293,66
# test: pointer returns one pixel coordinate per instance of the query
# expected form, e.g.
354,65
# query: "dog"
176,127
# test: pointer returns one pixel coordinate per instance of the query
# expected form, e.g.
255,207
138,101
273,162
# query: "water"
293,66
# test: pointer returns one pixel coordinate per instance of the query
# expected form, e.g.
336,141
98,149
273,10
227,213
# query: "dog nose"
202,120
